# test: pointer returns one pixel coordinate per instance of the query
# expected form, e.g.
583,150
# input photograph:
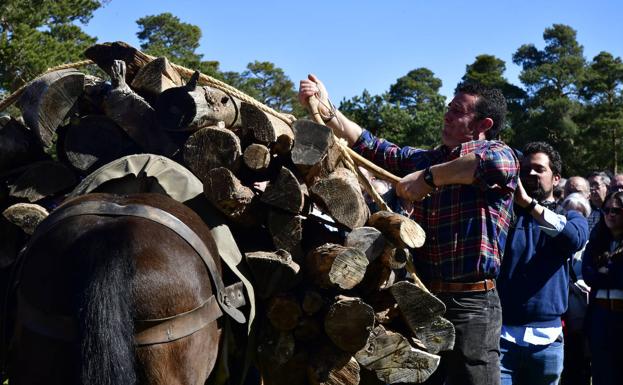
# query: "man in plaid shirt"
463,193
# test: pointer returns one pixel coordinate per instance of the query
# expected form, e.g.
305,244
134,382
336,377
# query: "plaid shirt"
466,225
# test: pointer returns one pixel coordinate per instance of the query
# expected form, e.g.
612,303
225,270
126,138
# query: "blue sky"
356,45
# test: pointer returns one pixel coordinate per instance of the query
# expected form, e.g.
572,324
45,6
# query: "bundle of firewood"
335,305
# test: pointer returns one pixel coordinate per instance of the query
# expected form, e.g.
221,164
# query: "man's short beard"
539,194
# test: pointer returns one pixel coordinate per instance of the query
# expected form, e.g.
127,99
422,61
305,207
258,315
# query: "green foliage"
411,113
166,35
38,34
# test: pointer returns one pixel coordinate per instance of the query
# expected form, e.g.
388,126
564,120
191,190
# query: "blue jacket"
534,277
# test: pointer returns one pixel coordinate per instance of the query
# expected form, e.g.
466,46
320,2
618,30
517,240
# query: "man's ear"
556,179
483,126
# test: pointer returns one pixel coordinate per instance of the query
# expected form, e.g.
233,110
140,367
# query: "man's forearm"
457,171
344,128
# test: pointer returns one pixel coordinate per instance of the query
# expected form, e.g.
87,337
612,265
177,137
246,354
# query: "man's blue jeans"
531,365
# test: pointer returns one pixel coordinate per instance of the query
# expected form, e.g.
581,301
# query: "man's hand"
413,188
312,86
522,199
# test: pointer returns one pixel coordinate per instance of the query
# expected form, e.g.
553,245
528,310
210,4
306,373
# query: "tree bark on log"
348,323
394,360
398,229
41,180
284,193
48,99
134,115
315,152
340,195
256,157
332,265
325,360
210,148
273,272
156,77
92,141
266,129
192,107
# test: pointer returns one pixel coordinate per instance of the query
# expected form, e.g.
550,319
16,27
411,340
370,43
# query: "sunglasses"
613,210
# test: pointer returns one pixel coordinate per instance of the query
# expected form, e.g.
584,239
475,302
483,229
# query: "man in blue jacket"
534,276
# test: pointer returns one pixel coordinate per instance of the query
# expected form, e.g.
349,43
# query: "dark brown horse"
87,281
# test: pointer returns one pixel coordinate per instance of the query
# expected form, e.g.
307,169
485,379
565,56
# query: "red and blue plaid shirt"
466,225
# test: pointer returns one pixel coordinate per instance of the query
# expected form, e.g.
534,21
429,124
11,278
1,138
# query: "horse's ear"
26,216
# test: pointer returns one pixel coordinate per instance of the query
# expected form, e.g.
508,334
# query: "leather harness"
147,332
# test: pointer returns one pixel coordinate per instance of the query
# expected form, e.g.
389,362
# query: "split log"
266,129
418,307
394,360
284,193
134,115
340,195
385,307
210,148
41,180
156,77
104,55
26,216
256,157
326,361
312,302
437,336
367,239
192,107
315,152
93,141
48,99
18,145
348,323
276,347
398,229
286,231
283,312
272,272
332,265
225,191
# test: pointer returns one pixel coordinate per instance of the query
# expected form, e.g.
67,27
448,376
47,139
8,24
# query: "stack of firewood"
334,307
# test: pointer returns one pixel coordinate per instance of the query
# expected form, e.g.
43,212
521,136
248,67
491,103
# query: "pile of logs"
334,304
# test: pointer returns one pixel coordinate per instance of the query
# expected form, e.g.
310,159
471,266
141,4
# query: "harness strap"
156,215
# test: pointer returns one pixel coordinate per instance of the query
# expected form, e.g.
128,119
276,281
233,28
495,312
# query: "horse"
114,290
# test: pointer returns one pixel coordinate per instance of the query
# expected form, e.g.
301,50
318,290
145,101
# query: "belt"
459,287
610,304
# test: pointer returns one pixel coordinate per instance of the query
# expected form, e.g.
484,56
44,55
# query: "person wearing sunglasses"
602,269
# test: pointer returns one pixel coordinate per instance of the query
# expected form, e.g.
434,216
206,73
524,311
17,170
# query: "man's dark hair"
555,163
490,104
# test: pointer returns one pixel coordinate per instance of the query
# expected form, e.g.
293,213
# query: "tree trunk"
437,336
340,195
283,312
348,323
224,191
367,239
256,157
286,231
41,180
418,307
48,99
105,54
332,265
284,193
18,145
394,360
273,272
156,77
134,115
315,153
266,129
92,141
348,374
192,107
398,229
210,148
26,216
